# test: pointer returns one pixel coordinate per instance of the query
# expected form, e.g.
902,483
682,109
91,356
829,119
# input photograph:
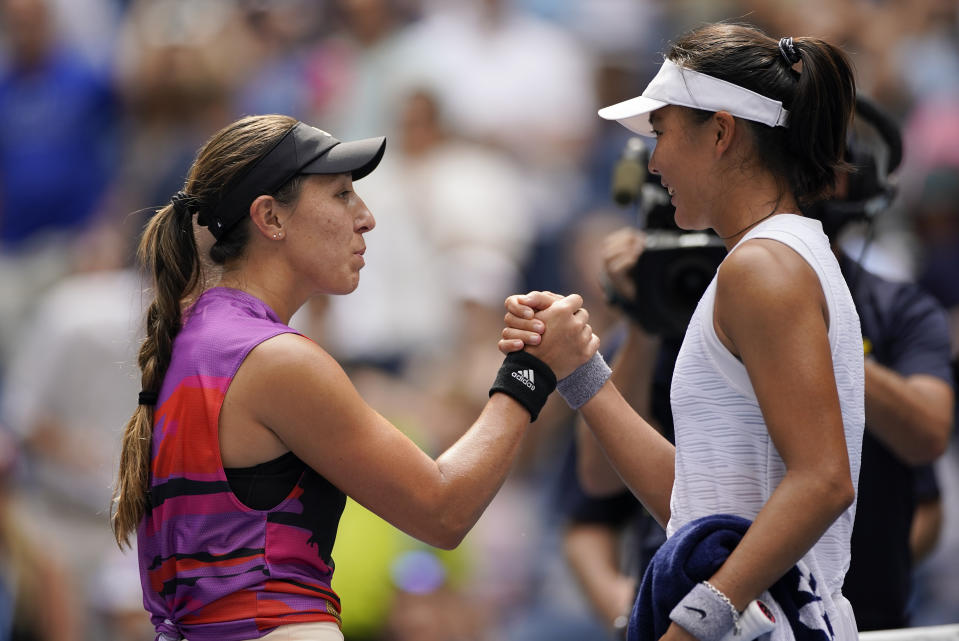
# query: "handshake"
549,344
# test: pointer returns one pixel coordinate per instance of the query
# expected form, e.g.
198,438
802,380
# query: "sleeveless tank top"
211,567
725,459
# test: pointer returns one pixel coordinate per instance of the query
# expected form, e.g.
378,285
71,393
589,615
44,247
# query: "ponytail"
168,250
819,115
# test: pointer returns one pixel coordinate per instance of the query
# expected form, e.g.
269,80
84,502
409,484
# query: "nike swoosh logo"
701,613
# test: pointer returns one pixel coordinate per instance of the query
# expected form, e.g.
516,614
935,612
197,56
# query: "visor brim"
633,114
357,157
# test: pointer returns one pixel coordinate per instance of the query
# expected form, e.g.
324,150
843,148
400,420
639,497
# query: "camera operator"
909,405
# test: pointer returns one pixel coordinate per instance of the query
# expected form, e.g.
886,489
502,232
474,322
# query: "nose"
651,164
364,219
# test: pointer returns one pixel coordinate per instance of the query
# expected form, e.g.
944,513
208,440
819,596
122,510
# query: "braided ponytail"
169,251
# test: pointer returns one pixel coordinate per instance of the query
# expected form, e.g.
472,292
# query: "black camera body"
674,270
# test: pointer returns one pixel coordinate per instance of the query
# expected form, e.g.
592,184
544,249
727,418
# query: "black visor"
302,150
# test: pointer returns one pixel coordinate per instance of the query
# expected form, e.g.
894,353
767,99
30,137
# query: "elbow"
832,491
447,537
440,537
447,530
930,446
923,446
845,496
839,494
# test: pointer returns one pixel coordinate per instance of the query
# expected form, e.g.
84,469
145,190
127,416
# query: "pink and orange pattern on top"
211,567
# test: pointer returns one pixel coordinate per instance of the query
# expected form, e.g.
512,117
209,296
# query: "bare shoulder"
289,355
765,290
763,272
290,371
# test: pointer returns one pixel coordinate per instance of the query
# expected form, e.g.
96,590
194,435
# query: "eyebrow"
339,180
653,118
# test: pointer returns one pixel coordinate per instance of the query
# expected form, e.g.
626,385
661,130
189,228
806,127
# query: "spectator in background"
58,121
38,597
453,245
360,71
936,219
285,72
178,63
509,79
64,401
933,129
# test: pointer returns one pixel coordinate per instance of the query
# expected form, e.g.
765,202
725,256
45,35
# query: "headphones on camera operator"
676,266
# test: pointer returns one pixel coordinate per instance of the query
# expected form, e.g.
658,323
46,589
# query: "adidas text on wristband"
527,379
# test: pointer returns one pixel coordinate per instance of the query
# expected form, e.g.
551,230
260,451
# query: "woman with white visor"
758,495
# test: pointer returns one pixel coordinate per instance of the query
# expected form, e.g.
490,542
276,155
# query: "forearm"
632,376
474,468
641,456
781,534
591,551
911,416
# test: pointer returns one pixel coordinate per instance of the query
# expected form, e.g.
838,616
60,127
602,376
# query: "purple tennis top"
211,567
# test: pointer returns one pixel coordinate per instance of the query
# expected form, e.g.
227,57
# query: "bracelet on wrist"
527,379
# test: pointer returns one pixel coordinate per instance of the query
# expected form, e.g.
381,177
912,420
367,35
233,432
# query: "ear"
264,214
723,131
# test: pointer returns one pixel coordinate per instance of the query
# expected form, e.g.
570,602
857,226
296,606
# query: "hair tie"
147,398
788,51
185,204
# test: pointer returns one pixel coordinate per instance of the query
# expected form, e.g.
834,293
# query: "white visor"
675,85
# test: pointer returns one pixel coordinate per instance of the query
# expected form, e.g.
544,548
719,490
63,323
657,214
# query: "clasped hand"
553,328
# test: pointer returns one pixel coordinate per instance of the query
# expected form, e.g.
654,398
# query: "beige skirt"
322,631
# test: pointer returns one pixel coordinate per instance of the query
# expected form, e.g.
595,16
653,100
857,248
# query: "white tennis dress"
725,459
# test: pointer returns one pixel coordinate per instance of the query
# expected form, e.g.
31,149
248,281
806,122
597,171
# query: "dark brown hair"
820,98
168,251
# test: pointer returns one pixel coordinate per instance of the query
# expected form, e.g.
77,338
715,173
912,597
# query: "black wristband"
527,379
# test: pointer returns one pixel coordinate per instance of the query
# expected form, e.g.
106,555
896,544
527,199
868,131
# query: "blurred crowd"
495,181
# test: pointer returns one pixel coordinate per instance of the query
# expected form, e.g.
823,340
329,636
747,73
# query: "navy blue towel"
693,554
